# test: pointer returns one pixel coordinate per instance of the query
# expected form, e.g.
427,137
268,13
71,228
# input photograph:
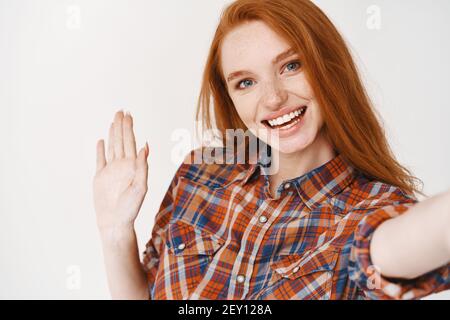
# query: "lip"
282,112
285,133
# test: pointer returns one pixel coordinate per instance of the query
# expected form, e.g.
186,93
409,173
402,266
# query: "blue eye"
243,81
296,62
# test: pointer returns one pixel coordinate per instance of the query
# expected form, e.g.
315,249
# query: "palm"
120,184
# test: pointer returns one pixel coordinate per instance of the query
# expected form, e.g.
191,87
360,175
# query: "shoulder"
367,194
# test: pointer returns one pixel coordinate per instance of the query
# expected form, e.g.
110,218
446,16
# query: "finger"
141,176
129,141
101,161
110,155
118,136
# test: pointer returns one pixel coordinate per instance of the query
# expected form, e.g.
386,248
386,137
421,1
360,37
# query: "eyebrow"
289,52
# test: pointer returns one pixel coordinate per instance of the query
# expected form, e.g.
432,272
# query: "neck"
292,165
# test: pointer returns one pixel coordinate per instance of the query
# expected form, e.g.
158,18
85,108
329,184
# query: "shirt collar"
314,186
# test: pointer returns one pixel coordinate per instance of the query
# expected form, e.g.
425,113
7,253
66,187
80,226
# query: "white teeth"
290,125
286,117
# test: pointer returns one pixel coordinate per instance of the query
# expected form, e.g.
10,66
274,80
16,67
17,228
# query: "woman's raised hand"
120,182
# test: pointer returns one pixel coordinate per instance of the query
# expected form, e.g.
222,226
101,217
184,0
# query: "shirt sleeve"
154,246
369,278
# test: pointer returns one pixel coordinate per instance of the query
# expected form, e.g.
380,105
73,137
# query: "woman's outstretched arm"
126,278
120,186
416,242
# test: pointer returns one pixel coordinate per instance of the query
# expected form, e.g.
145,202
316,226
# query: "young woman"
337,218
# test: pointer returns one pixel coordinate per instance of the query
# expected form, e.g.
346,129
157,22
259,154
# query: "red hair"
350,121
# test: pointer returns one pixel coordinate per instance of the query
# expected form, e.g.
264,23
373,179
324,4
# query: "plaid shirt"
219,234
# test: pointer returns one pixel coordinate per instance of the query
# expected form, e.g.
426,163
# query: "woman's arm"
120,186
126,278
415,242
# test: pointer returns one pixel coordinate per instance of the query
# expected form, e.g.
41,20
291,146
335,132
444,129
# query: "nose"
274,95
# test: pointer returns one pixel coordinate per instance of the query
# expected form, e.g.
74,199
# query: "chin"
293,144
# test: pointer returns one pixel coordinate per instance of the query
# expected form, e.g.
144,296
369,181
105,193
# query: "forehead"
249,44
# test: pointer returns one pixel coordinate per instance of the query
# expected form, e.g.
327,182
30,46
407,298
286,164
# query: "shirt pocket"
189,252
185,240
305,276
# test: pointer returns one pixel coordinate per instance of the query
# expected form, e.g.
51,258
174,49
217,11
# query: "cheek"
245,108
315,120
299,86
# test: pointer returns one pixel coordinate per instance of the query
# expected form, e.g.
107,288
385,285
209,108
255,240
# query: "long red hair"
351,123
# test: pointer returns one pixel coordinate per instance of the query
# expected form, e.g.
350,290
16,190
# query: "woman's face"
268,89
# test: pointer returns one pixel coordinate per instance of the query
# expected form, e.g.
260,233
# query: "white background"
67,66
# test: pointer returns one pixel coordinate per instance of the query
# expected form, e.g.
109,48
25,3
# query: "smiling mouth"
287,120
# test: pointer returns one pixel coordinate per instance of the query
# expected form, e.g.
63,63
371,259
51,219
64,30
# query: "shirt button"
287,185
295,270
262,219
240,278
181,246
